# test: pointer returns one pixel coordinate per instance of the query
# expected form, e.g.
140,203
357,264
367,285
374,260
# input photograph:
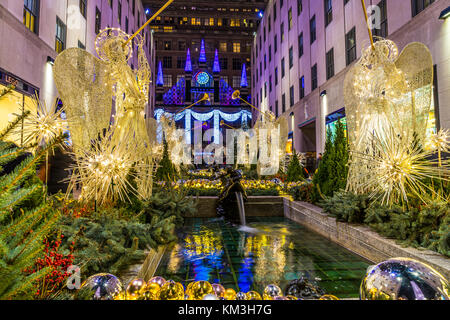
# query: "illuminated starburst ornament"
43,126
399,170
105,174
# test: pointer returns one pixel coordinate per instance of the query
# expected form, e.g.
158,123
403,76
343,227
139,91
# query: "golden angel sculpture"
105,101
388,98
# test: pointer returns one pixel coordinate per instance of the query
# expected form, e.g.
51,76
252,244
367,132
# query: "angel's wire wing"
85,86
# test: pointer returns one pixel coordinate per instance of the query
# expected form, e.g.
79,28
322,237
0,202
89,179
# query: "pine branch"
12,125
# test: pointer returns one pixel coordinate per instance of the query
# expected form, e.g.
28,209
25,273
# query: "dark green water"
281,250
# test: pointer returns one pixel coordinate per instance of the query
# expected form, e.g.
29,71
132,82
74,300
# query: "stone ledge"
256,206
358,238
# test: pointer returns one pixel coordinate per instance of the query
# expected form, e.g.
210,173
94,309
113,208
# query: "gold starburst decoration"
43,126
399,170
105,174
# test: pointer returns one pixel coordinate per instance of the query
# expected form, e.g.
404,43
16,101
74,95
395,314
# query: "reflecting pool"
268,251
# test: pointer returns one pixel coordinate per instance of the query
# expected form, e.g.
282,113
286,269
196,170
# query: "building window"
291,96
275,43
383,31
237,64
223,63
83,7
350,46
167,45
302,87
167,80
328,6
314,77
181,45
269,23
299,6
265,62
270,83
270,53
126,24
281,4
419,5
274,11
134,7
260,68
223,46
346,1
312,29
167,62
60,39
283,71
31,15
283,103
276,108
119,12
181,62
330,63
291,57
81,45
290,19
98,21
282,32
260,95
235,22
236,47
264,32
236,81
276,76
224,79
265,89
300,45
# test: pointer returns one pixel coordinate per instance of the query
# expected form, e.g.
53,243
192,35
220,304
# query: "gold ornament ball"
159,280
328,297
172,290
200,289
219,290
272,291
230,294
136,289
253,295
152,291
102,286
189,287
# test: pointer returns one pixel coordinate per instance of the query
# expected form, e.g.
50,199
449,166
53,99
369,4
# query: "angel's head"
110,46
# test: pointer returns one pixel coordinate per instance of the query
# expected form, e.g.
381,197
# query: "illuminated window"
31,14
219,22
235,22
168,81
223,46
60,39
211,21
236,47
290,19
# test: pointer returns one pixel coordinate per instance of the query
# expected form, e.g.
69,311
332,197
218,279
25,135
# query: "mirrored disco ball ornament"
230,294
158,280
272,291
210,297
200,289
152,291
102,286
219,290
172,290
403,279
136,289
328,297
241,296
253,295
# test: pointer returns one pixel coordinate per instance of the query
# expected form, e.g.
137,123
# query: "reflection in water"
272,253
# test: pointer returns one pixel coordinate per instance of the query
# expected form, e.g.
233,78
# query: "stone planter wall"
263,206
358,238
